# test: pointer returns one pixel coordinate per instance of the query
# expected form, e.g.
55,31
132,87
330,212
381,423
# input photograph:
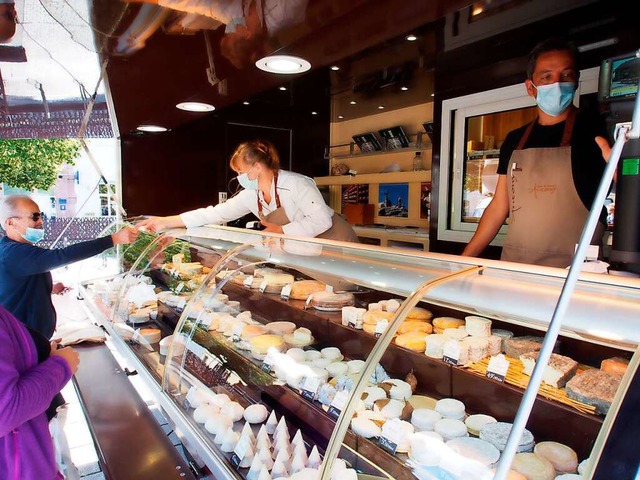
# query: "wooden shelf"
390,177
411,148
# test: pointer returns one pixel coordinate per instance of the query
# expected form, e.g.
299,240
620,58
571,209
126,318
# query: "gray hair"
8,207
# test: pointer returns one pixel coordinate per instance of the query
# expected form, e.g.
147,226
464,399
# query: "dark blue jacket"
25,280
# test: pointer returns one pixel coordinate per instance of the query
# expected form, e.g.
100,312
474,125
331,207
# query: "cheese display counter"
281,358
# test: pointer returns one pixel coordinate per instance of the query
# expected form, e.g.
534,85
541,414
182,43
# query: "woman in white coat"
286,202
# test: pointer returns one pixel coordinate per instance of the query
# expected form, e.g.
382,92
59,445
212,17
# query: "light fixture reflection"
195,107
411,38
283,64
151,128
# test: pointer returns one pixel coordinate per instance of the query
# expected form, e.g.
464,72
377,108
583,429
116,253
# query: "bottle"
417,162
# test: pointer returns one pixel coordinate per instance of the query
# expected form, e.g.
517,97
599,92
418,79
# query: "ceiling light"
151,128
433,94
314,113
380,107
404,89
245,103
352,102
411,38
335,68
283,88
340,116
195,107
283,64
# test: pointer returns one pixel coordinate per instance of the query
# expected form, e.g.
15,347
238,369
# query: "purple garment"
26,389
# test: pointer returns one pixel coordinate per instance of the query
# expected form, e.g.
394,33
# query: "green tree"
34,163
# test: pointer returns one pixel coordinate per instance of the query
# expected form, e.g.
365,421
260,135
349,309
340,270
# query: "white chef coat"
299,196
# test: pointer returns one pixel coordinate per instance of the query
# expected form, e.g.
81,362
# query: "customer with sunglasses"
25,279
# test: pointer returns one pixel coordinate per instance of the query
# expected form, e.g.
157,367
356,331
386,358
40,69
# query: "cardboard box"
359,213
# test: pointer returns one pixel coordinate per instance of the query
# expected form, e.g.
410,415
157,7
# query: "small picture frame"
367,142
394,137
428,127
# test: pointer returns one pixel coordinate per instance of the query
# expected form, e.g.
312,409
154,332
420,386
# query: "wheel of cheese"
424,419
261,344
455,333
478,348
330,301
311,355
372,317
336,369
401,431
418,313
373,394
233,410
280,328
615,365
301,289
450,408
332,353
475,449
364,427
443,323
477,326
297,354
533,467
250,331
564,459
301,337
495,345
427,448
355,366
475,423
415,326
151,335
393,409
397,389
450,428
497,433
415,341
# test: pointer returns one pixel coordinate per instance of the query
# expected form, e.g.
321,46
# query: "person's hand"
605,148
125,235
271,227
153,224
68,354
59,288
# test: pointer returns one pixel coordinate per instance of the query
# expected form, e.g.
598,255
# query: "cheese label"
241,447
381,326
286,292
308,302
497,369
180,287
451,353
205,321
248,281
338,403
181,303
267,362
387,445
263,286
310,387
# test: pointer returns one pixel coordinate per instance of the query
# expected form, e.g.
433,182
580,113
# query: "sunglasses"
34,216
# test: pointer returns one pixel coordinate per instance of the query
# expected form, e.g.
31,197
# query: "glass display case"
285,358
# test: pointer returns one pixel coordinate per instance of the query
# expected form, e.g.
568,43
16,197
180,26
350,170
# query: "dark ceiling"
146,85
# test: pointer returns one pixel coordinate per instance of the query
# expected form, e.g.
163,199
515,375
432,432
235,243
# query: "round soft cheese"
418,313
427,448
330,301
477,326
151,335
280,328
475,423
373,394
355,366
564,459
301,289
414,341
397,389
434,345
336,369
497,433
450,428
400,431
450,408
297,354
256,413
424,419
533,467
443,323
332,353
233,410
364,427
475,449
204,412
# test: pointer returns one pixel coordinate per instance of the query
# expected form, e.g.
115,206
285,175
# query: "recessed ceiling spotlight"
283,88
411,38
404,89
335,68
380,107
314,113
195,107
151,128
245,103
283,64
352,102
433,94
341,116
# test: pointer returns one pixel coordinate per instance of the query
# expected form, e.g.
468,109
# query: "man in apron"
549,170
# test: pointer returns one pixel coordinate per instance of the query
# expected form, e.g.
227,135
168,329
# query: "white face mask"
243,180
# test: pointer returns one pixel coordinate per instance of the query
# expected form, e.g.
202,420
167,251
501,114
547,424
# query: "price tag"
308,302
286,292
387,445
205,320
451,353
179,287
248,281
267,362
263,286
497,369
381,326
310,387
235,338
338,403
240,451
181,303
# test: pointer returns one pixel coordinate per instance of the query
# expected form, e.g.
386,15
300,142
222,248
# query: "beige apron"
340,229
546,214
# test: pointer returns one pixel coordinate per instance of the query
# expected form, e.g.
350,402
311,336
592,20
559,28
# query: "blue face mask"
33,235
555,98
243,180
